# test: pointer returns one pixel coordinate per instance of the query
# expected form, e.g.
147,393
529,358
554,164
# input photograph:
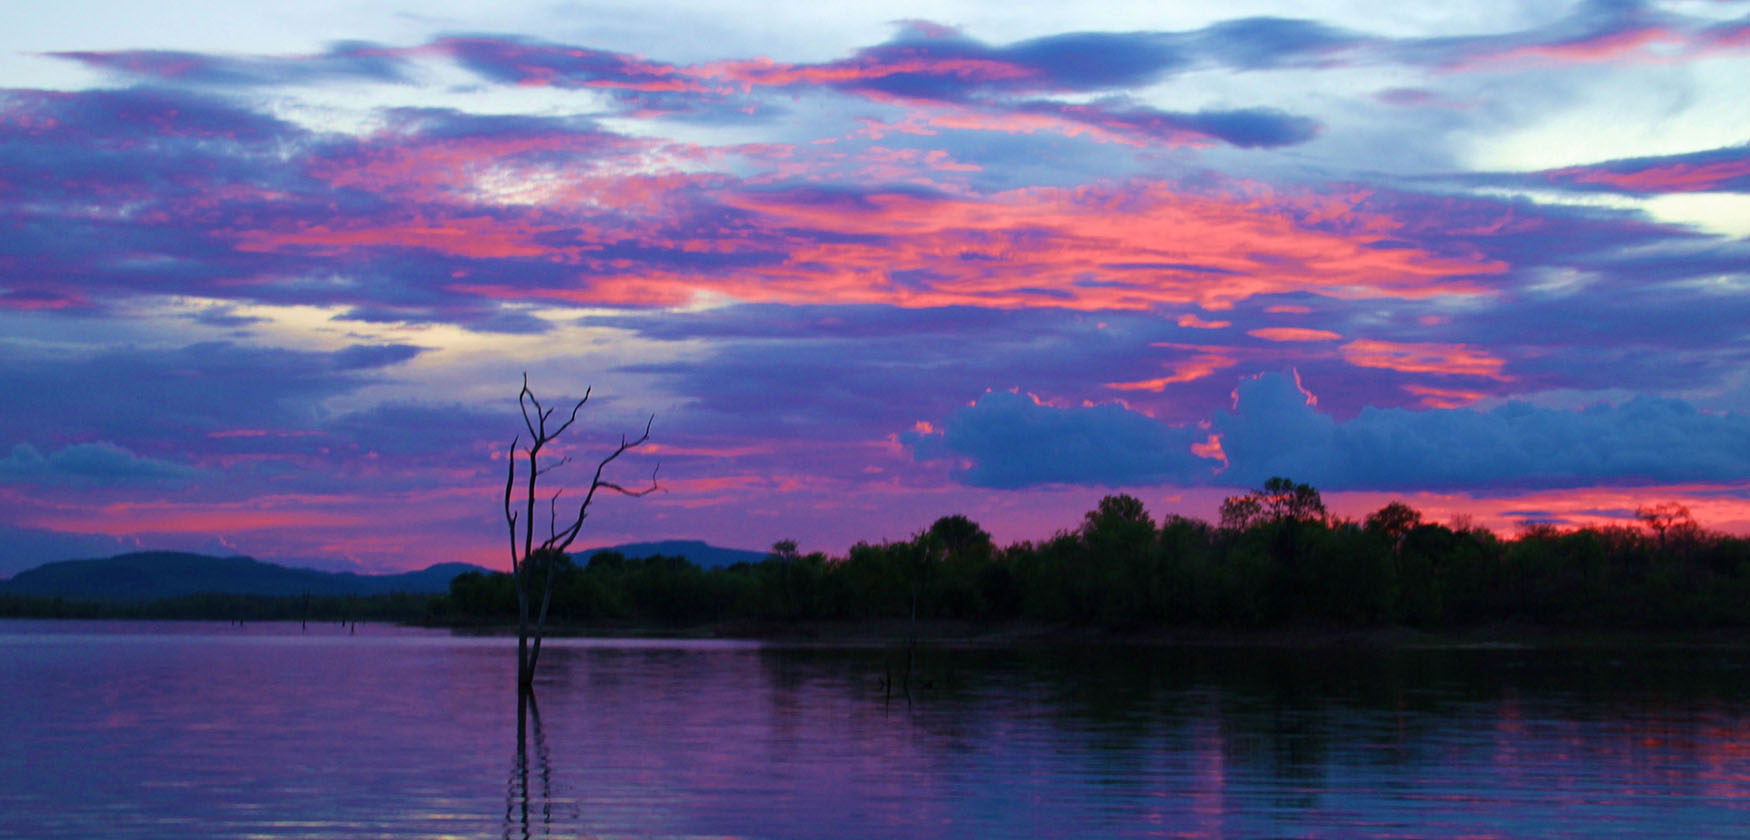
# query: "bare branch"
525,392
552,513
556,465
608,485
596,483
573,418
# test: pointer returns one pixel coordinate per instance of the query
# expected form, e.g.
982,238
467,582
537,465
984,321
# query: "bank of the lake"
893,634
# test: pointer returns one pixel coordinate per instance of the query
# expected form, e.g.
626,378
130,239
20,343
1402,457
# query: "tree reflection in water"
520,799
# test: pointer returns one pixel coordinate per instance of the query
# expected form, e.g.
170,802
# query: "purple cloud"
1273,430
368,356
342,60
1276,428
1714,170
164,397
1245,128
1012,440
27,548
1261,43
91,464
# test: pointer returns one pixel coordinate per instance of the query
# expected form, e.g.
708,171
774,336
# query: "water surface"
125,729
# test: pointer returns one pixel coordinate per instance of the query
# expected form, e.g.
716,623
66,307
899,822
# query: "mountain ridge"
153,575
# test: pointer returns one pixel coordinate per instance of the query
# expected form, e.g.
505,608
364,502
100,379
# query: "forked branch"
562,539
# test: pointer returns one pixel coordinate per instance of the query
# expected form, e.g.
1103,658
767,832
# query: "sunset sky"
270,273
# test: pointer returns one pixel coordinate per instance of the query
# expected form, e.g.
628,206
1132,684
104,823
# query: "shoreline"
1015,635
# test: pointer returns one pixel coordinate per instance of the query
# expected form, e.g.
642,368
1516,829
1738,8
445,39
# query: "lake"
173,730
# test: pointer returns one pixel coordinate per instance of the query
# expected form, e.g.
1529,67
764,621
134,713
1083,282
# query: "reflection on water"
210,730
521,798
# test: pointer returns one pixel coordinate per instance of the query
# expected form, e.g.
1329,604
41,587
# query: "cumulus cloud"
100,464
1012,440
1277,428
1274,430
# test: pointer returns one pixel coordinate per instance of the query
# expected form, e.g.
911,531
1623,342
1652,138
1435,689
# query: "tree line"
1275,558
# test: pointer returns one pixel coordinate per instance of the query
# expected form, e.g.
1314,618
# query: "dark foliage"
1276,560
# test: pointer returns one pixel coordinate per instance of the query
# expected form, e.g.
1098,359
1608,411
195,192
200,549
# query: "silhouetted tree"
1286,501
1280,500
1396,520
962,538
1672,526
1239,513
531,559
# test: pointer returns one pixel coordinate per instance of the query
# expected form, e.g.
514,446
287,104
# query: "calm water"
116,729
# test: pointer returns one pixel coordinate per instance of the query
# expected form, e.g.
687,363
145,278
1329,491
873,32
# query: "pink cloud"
1192,321
1675,176
1293,334
1189,370
1416,357
1444,397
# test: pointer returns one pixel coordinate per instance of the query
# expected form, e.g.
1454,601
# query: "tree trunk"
526,557
525,670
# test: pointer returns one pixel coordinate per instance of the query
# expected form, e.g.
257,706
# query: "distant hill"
150,575
700,553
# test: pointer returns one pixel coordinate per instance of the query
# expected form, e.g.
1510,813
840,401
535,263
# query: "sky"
271,273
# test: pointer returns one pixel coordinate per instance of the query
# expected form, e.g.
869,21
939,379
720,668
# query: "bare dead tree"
530,558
